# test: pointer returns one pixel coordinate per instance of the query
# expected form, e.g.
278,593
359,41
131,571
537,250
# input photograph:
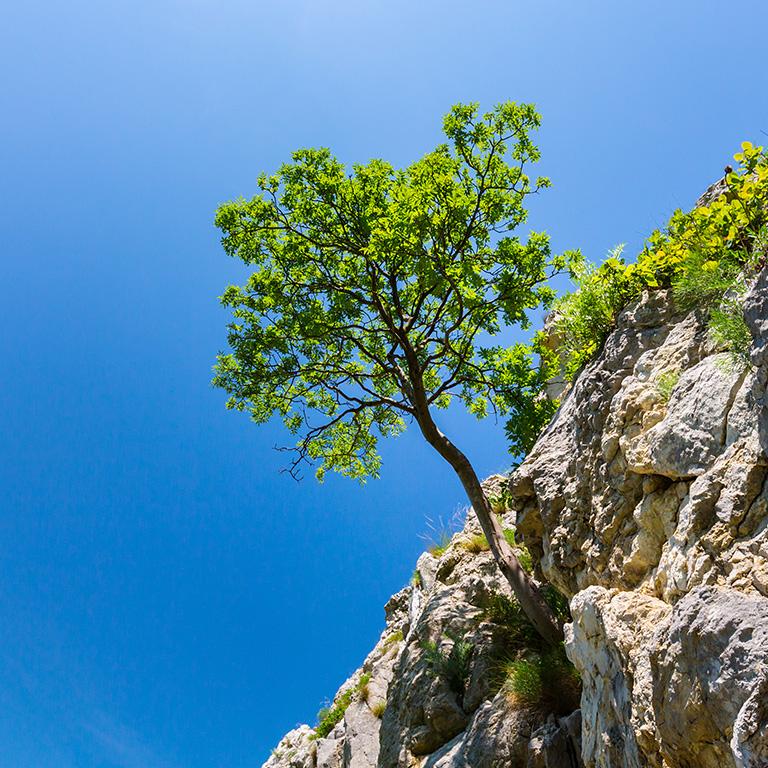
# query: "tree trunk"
526,591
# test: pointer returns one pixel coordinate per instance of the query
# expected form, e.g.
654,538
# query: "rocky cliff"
646,505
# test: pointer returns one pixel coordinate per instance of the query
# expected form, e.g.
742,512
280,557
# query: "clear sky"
167,598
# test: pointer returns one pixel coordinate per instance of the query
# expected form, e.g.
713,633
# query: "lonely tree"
375,295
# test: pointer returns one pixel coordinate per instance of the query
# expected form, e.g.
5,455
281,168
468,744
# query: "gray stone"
687,440
557,744
706,664
329,753
361,736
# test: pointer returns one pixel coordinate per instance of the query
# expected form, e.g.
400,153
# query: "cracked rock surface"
650,511
647,506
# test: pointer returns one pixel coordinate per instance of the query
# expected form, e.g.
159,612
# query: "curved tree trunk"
526,591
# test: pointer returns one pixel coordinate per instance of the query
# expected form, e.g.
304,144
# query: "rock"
756,317
329,753
707,662
295,750
687,440
557,744
648,508
361,736
750,730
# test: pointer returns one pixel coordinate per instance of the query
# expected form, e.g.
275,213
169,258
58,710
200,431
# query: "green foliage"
666,383
476,543
729,330
378,708
417,580
524,556
586,316
546,680
500,502
509,535
702,255
531,672
702,282
438,547
557,602
328,717
508,616
521,383
374,290
453,665
395,637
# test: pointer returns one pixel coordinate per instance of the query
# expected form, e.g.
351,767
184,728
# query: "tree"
374,293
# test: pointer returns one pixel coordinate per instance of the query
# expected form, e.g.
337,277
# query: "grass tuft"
545,680
437,548
396,637
475,544
453,665
328,717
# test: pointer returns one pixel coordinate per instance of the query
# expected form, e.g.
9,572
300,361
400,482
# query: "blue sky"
167,598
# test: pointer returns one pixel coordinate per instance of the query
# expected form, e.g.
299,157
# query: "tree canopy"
375,298
372,282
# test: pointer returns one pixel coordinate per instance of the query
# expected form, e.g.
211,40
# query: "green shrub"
417,579
666,383
585,317
378,708
500,502
524,556
545,680
328,717
506,613
730,331
395,637
701,255
509,535
452,666
701,281
557,602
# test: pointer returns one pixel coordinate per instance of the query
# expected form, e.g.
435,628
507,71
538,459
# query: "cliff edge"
645,503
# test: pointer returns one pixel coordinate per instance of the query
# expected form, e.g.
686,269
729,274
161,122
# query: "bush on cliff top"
703,255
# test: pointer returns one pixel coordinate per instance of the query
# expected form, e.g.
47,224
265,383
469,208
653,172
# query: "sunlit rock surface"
646,504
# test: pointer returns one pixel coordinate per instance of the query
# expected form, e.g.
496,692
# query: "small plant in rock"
729,330
417,580
504,612
518,632
475,544
378,708
500,502
666,383
702,281
545,680
524,556
453,665
439,547
585,317
396,637
440,533
328,717
704,255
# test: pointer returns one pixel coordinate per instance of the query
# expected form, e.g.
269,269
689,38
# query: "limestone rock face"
645,502
425,721
649,509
